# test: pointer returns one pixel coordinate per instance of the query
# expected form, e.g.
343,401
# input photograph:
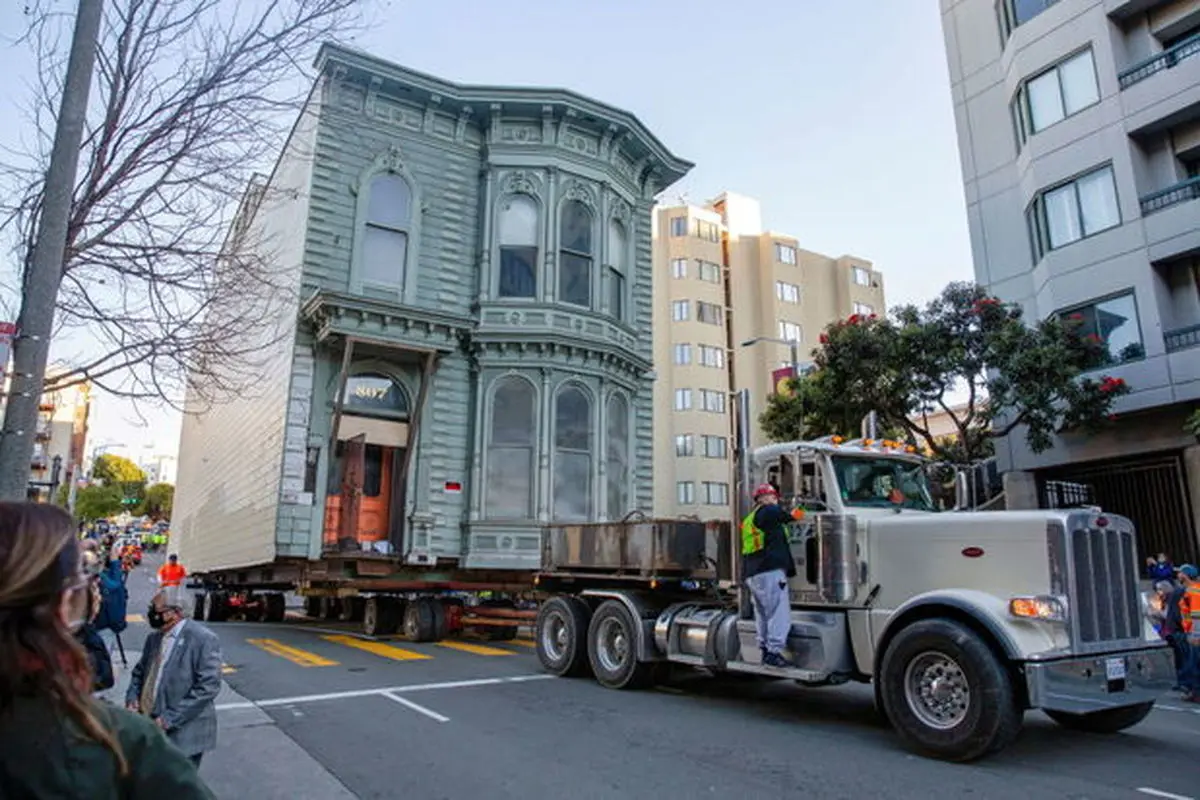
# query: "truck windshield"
883,483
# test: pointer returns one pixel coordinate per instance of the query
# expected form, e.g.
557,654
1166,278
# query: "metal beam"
340,397
428,367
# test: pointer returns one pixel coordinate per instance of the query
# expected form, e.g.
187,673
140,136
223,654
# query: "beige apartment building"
732,301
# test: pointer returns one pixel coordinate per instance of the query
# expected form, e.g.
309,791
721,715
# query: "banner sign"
779,380
8,332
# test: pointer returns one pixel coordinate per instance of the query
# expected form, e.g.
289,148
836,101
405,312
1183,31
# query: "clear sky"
835,115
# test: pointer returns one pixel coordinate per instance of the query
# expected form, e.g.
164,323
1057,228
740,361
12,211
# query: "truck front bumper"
1096,682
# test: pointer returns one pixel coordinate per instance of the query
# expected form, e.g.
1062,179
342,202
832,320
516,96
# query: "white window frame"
787,292
685,493
862,276
712,401
713,310
863,310
711,356
719,444
682,353
1022,106
1039,221
785,253
683,400
703,266
388,163
685,445
681,310
718,490
679,267
678,226
790,331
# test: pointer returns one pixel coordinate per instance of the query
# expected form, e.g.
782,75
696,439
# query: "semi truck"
962,621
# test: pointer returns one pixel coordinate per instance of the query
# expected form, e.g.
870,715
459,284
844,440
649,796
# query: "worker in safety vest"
1188,638
767,564
171,573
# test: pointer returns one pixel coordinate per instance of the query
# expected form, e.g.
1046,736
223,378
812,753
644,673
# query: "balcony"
1127,9
1171,196
1167,59
1182,338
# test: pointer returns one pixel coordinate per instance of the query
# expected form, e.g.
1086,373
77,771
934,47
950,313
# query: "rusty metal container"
640,547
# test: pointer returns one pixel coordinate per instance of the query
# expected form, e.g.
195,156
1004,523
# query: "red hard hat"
764,488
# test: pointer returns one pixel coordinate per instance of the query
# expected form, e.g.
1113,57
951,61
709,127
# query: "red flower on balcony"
824,339
1108,384
854,319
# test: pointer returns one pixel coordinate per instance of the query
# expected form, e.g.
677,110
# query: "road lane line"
1167,795
132,618
1161,707
419,687
404,701
477,649
297,656
524,642
378,648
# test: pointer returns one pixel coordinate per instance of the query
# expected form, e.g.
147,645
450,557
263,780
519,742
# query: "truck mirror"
962,491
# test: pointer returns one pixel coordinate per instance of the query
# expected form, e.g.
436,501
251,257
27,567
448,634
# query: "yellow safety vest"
753,537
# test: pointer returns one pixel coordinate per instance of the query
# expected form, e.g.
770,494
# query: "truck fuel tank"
837,546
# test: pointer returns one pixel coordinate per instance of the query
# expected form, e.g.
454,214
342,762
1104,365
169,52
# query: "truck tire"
351,610
330,608
612,649
1110,720
274,607
381,615
312,606
420,621
946,693
560,635
198,607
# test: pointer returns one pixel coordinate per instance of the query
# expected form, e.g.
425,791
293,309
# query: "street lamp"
792,344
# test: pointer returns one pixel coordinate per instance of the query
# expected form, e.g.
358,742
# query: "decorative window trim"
390,161
576,190
514,187
622,215
489,407
595,440
630,448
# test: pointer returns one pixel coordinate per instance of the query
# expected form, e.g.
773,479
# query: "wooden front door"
358,506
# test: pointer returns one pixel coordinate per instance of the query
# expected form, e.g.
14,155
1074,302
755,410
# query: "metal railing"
1170,196
1157,63
1182,338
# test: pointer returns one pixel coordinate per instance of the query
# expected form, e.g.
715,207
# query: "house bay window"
572,455
617,455
384,259
618,247
511,460
518,231
575,254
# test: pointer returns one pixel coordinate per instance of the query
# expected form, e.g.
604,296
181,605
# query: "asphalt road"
470,719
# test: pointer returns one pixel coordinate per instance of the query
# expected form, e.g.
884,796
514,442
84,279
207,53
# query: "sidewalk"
253,757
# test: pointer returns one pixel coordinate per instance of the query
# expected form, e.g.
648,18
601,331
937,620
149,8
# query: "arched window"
617,457
518,247
572,455
575,254
375,395
384,258
618,256
511,462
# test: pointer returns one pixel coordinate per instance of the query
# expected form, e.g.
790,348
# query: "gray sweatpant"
772,609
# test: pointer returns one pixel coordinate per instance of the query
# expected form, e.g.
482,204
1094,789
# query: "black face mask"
155,618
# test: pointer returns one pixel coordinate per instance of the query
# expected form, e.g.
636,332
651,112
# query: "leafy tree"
1013,374
98,501
807,411
158,501
110,469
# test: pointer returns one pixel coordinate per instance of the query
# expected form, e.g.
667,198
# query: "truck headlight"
1043,606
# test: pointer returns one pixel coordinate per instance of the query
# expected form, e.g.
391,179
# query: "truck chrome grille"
1104,590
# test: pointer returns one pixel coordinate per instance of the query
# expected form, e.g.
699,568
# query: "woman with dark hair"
56,740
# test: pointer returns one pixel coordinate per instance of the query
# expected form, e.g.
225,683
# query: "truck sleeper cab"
963,621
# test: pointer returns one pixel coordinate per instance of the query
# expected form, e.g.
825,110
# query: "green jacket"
42,757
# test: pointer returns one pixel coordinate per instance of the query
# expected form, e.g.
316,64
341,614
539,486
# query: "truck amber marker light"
972,552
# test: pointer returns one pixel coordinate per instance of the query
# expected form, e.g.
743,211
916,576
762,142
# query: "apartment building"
59,440
733,304
1079,135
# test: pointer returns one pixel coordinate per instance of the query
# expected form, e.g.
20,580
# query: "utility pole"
31,348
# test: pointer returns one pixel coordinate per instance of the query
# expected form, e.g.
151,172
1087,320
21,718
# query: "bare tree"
191,97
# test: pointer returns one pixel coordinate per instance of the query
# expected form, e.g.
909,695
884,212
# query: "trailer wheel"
312,606
946,692
330,608
612,649
198,607
441,620
561,636
1110,720
351,609
216,609
420,622
381,615
274,607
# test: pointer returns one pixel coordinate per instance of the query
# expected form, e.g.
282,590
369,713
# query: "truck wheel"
612,649
560,635
420,622
312,606
274,607
351,610
381,616
1110,720
330,608
215,607
198,607
946,692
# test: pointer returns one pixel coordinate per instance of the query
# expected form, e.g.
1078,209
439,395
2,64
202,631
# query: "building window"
709,313
862,276
575,255
1061,91
709,271
790,332
712,356
787,292
683,399
510,456
1114,322
685,493
785,253
716,494
1072,211
679,226
1014,13
618,457
518,247
618,248
708,231
712,401
863,310
385,234
680,310
683,354
716,447
374,395
685,445
679,267
572,455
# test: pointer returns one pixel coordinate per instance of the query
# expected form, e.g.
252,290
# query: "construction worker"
171,573
767,565
1188,637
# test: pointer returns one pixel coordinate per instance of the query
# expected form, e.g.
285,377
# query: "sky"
835,116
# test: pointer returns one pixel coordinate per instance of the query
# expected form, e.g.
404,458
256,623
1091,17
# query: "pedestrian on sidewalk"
171,573
56,740
177,680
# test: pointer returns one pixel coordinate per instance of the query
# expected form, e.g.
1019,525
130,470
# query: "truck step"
790,673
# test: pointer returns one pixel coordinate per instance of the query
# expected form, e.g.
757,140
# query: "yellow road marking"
524,642
227,670
134,618
302,658
378,648
477,649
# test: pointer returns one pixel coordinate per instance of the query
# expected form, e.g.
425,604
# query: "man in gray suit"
177,679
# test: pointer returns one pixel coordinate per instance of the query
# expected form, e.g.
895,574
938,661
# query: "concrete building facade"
730,299
1079,136
59,441
469,354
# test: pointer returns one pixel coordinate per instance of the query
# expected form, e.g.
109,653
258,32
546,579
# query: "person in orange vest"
1186,633
171,573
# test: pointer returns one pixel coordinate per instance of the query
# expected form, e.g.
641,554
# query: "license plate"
1114,668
